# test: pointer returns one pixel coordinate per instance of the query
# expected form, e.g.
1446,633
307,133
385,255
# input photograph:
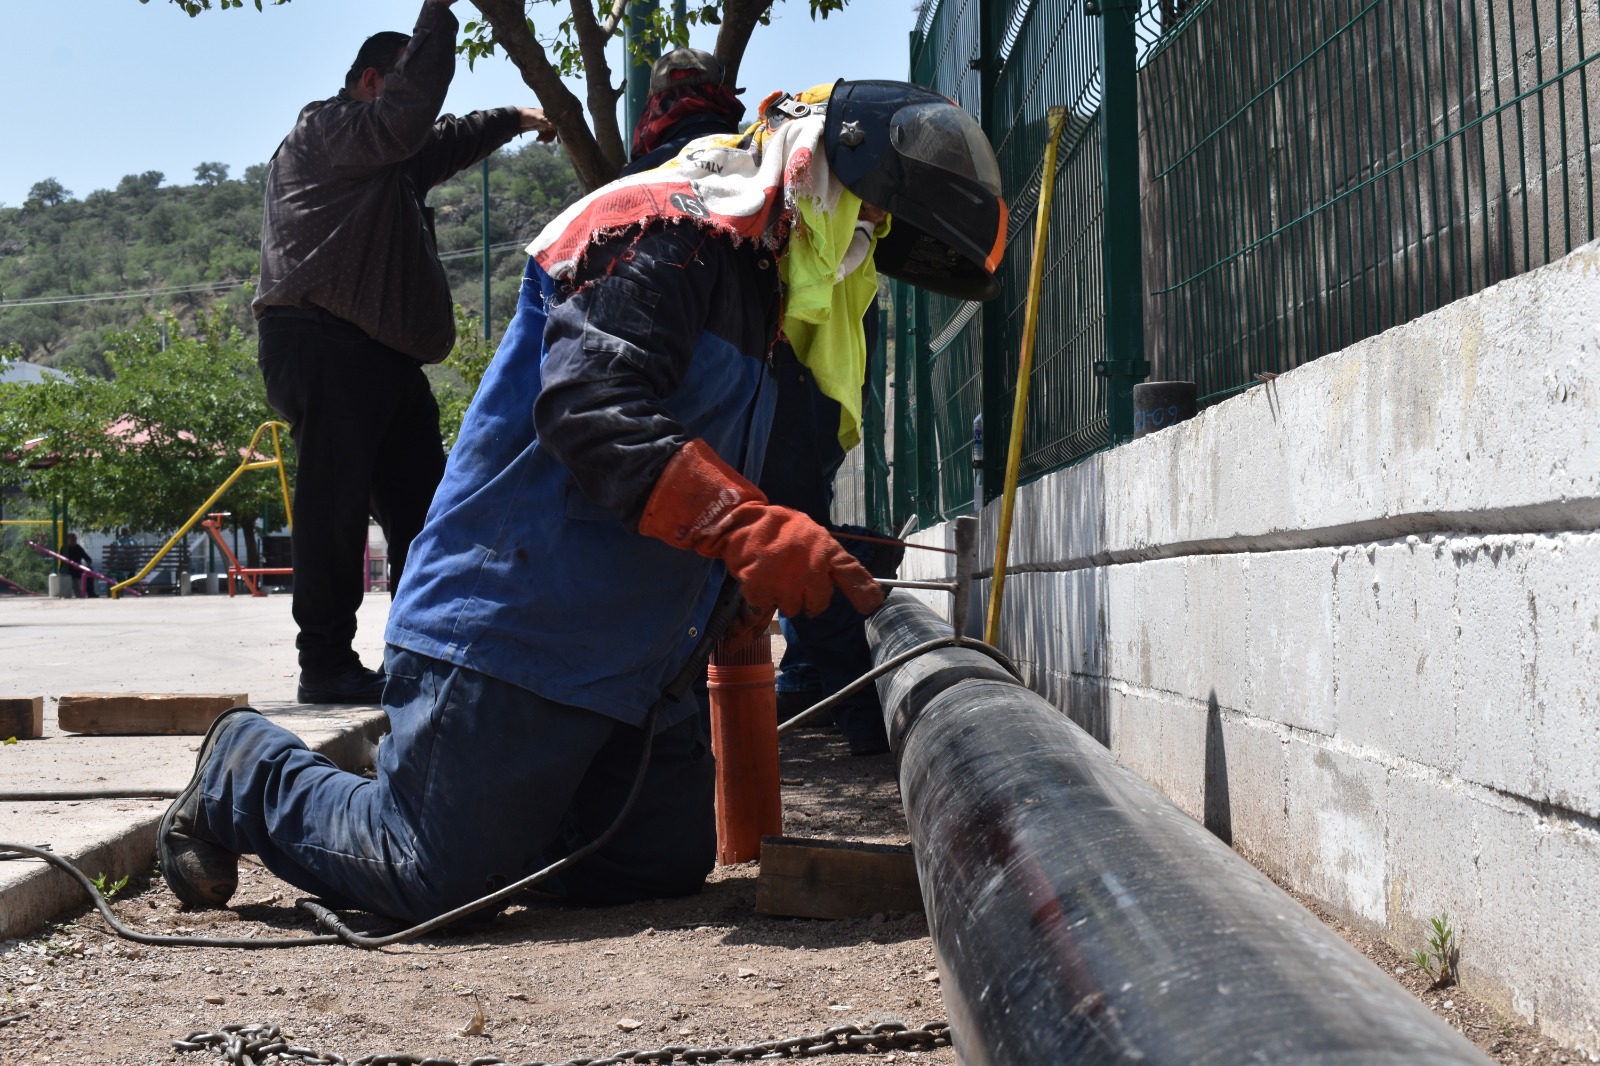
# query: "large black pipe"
1080,917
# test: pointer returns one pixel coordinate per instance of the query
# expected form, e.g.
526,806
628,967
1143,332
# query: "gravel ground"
549,983
540,982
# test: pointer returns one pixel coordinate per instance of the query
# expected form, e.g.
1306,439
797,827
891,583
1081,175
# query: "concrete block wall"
1350,621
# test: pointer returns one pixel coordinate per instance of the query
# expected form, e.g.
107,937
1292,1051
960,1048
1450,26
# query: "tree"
47,193
147,446
133,184
469,360
595,144
211,173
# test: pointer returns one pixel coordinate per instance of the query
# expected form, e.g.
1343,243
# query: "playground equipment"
250,463
17,589
247,574
85,572
60,528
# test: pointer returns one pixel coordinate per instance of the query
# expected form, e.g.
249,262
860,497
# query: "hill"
74,271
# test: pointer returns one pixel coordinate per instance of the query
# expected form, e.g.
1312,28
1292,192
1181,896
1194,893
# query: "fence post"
905,428
1121,247
998,359
636,79
875,472
927,431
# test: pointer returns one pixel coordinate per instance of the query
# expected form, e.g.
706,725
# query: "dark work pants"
366,435
825,653
480,784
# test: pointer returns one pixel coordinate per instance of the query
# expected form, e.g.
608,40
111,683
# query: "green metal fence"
1304,175
1318,173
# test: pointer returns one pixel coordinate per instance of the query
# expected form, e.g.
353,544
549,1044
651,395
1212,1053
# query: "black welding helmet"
924,160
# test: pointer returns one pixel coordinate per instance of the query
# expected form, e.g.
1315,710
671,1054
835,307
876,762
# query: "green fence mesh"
1318,173
1309,175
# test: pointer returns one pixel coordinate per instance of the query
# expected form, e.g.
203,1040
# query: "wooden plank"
836,879
133,713
21,717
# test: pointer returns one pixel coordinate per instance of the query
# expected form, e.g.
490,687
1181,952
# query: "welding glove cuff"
780,557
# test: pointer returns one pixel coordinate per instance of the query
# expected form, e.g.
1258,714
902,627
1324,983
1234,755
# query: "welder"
601,489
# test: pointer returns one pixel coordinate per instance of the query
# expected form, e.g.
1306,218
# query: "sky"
96,89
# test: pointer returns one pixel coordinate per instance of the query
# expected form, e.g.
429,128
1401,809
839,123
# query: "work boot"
355,685
200,871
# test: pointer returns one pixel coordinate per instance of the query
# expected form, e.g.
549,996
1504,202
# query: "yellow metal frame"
56,522
204,509
1019,411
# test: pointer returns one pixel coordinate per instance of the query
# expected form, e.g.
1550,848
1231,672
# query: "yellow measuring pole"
1019,410
248,464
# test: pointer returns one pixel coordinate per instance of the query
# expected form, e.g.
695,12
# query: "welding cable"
955,640
728,606
327,919
158,939
63,795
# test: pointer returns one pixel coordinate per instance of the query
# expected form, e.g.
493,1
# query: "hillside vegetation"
186,250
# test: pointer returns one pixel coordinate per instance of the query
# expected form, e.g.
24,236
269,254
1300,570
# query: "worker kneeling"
600,492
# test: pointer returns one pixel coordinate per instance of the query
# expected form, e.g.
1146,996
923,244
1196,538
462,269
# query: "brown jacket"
345,227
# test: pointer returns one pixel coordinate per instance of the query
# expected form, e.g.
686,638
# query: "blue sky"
96,89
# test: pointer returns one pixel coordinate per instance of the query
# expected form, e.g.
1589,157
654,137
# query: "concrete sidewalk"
149,644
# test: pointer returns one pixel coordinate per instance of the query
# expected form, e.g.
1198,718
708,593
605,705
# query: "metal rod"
1019,414
932,586
892,542
1078,916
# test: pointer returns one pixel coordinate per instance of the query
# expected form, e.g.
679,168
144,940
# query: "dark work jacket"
344,227
531,568
699,124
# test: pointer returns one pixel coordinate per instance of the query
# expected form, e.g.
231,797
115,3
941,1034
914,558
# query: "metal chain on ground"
252,1045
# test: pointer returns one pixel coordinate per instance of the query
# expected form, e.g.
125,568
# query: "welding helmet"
923,159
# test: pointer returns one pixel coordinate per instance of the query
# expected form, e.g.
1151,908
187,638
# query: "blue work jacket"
530,567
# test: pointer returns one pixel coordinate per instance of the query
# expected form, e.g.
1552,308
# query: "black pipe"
1080,917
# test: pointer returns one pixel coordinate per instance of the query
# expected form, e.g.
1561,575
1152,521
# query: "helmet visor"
948,139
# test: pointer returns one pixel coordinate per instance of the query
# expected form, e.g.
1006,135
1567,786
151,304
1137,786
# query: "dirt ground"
542,982
552,983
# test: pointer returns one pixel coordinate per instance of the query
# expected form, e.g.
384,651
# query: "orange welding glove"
780,557
750,626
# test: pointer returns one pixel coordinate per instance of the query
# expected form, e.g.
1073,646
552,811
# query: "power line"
207,287
126,294
469,253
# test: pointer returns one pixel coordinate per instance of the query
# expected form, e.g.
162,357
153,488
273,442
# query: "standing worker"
352,302
567,580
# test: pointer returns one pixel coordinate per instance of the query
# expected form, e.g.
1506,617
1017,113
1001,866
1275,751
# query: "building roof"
14,370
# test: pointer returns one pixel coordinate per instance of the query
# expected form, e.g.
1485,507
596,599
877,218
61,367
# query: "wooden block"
21,717
132,713
836,879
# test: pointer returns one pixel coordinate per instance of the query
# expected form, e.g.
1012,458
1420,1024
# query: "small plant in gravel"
1438,959
108,890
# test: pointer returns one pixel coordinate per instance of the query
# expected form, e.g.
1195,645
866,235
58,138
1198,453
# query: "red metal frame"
247,574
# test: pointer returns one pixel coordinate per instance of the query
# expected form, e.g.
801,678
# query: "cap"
683,67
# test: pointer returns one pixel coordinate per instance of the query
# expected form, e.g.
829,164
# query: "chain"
252,1045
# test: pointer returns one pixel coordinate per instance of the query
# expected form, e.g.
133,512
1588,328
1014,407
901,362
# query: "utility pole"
636,25
485,247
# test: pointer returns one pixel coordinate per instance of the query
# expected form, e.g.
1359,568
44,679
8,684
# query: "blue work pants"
479,784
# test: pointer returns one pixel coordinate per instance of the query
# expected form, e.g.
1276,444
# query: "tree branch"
739,20
613,20
592,41
511,32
